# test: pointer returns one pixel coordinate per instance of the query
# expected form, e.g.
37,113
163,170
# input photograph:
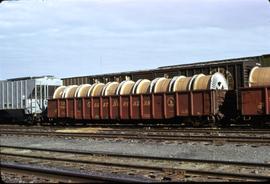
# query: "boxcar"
236,71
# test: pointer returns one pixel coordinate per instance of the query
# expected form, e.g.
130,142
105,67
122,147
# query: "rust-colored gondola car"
187,99
192,104
255,101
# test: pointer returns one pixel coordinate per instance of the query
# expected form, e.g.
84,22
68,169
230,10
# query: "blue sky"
85,37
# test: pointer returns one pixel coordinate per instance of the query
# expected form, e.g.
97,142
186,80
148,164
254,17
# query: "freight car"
255,99
25,99
200,99
235,71
185,99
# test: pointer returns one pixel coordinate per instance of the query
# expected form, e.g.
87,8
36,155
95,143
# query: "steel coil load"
95,89
58,93
259,76
141,86
183,83
144,86
69,91
205,82
152,85
125,87
82,90
110,88
162,85
172,82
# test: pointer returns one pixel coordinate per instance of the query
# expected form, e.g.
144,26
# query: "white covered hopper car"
25,99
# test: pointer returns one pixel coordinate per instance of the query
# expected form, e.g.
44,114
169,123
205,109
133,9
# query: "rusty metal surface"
147,106
255,101
62,108
52,108
70,107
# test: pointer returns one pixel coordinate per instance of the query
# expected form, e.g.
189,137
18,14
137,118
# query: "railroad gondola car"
187,99
200,99
255,99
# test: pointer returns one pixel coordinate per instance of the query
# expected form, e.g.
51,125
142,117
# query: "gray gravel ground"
194,150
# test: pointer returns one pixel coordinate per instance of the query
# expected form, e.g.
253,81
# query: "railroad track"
52,175
216,137
131,167
165,129
150,130
171,128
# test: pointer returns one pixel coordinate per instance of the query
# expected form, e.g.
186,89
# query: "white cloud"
40,37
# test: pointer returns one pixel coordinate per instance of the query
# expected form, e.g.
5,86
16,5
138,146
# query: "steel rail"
157,168
207,138
210,131
76,174
149,129
111,154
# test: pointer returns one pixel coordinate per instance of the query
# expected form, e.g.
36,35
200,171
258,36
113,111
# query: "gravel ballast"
194,150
